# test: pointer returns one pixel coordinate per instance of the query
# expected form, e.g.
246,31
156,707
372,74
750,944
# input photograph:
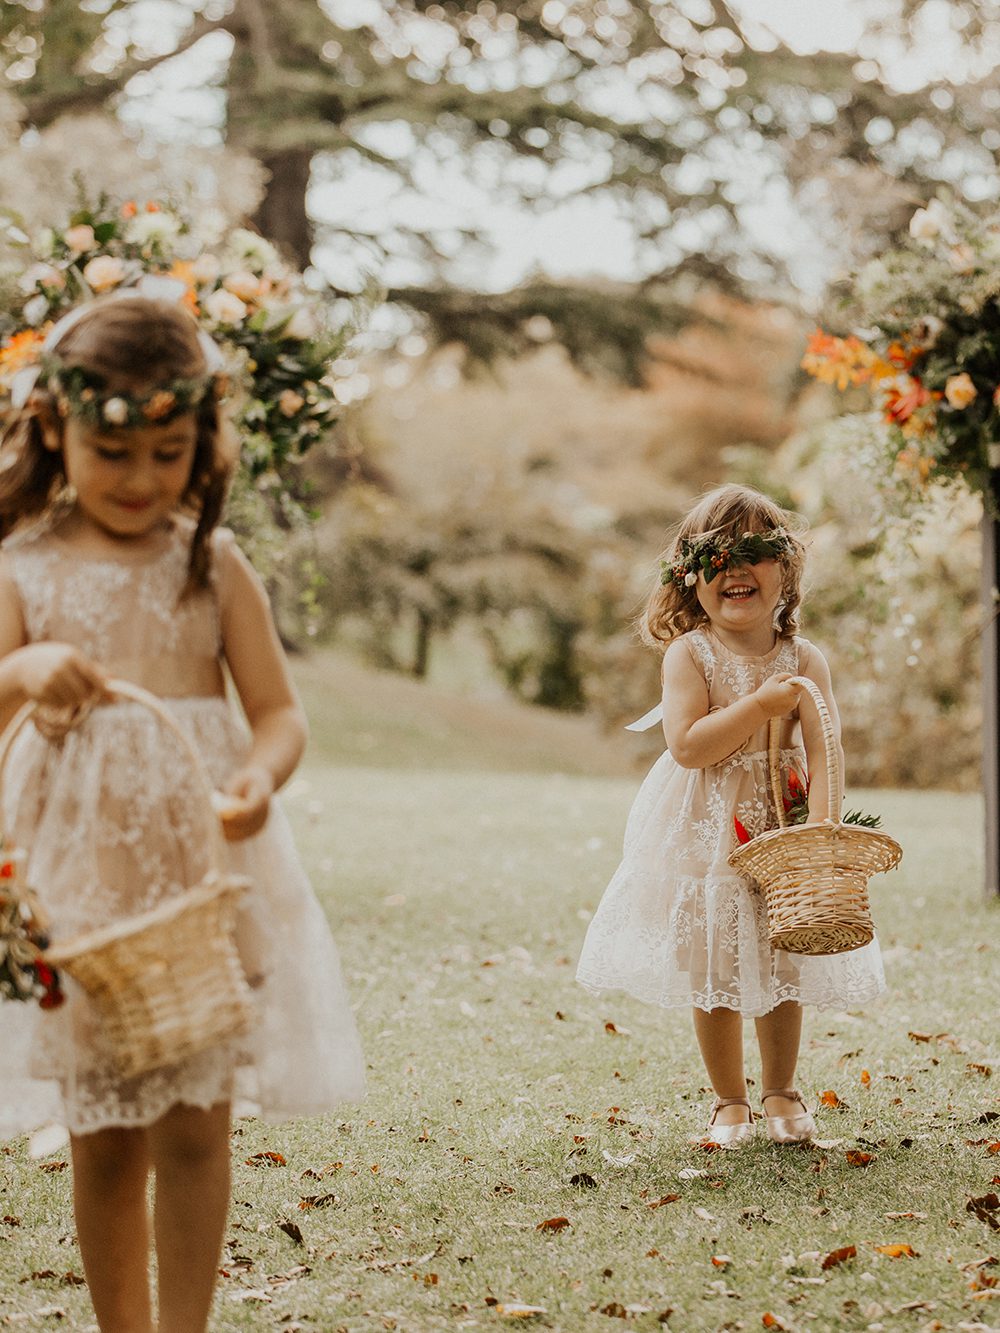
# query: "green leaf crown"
85,394
713,554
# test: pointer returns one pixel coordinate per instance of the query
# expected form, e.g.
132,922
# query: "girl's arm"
815,667
56,674
260,673
697,738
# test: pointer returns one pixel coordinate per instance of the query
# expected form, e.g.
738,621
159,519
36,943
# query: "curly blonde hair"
728,511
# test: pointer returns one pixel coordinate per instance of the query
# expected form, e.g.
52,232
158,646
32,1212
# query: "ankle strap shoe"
729,1136
798,1128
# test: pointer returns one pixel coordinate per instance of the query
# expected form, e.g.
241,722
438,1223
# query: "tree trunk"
422,647
282,216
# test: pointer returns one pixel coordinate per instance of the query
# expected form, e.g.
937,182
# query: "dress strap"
648,720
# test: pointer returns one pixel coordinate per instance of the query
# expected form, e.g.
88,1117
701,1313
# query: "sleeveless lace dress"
114,824
677,925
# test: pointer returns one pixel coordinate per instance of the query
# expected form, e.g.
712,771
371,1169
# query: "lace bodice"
117,612
731,676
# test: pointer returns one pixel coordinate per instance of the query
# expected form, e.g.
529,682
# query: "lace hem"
817,995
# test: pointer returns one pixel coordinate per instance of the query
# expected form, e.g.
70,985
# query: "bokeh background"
600,232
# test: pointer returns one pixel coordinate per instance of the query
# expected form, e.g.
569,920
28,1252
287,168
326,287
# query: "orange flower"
960,391
152,206
20,350
129,208
843,361
161,403
183,271
900,404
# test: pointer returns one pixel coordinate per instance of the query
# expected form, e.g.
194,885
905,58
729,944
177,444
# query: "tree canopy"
686,114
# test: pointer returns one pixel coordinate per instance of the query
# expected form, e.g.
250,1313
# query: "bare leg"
109,1200
189,1149
778,1036
720,1037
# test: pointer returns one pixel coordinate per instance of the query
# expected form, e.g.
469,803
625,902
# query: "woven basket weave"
168,983
814,877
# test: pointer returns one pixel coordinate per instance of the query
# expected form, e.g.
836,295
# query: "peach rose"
243,284
960,391
80,238
224,307
290,402
104,272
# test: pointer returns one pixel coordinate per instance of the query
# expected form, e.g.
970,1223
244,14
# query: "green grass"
459,901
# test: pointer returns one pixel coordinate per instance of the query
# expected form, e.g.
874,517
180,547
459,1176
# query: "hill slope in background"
381,719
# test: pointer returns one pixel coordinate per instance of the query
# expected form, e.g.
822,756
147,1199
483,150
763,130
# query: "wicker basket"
168,983
814,877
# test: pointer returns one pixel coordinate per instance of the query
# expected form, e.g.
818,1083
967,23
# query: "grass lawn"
499,1099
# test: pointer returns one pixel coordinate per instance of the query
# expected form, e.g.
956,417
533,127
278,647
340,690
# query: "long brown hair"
133,345
727,511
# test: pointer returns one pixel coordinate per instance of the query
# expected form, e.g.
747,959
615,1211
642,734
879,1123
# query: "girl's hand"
249,793
59,675
777,697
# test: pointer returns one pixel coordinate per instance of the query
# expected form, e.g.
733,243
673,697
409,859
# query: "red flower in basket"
47,978
741,834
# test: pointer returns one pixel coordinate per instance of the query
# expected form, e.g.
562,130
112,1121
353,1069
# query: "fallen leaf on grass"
583,1181
691,1173
866,1078
252,1294
618,1159
553,1224
855,1157
840,1256
614,1310
317,1201
905,1217
662,1200
984,1071
515,1309
721,1261
897,1251
985,1208
61,1166
292,1230
830,1098
993,1148
266,1159
773,1321
615,1031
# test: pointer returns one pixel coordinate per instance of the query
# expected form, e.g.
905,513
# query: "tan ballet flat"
729,1136
788,1128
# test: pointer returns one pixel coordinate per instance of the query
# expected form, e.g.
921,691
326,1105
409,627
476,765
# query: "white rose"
243,284
206,268
223,307
302,324
927,224
104,272
690,579
41,274
151,229
115,411
80,238
254,250
35,310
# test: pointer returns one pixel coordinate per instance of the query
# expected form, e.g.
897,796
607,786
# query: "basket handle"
123,689
834,777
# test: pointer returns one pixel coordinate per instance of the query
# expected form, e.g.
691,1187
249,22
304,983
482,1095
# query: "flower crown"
712,554
83,393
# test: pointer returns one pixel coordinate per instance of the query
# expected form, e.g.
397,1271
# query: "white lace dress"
114,824
677,925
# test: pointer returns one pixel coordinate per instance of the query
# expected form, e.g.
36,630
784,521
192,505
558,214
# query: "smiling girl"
677,926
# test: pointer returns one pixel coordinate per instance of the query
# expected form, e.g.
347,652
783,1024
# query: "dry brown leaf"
292,1230
993,1148
985,1208
897,1251
516,1309
614,1310
920,1036
553,1224
773,1321
317,1201
840,1256
266,1159
721,1261
905,1217
855,1157
866,1078
663,1199
985,1071
615,1030
830,1098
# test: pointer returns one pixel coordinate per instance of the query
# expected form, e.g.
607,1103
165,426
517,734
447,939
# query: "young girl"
114,473
677,925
